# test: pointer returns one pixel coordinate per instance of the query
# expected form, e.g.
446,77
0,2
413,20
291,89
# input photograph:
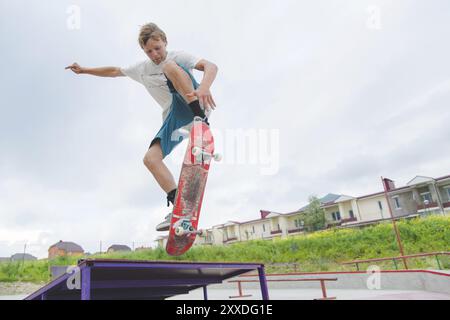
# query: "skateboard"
191,188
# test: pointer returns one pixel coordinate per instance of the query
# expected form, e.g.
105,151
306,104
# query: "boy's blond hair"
151,31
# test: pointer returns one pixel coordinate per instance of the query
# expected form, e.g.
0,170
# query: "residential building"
118,248
22,257
62,248
421,196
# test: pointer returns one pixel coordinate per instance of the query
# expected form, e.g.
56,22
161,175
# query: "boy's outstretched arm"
111,72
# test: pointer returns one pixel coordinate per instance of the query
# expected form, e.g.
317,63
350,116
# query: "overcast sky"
325,97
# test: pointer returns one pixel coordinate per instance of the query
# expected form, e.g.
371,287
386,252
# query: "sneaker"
171,197
205,120
165,225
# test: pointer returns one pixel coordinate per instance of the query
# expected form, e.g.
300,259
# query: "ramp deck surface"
125,279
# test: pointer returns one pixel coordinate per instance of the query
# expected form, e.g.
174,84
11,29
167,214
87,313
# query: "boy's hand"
75,68
205,98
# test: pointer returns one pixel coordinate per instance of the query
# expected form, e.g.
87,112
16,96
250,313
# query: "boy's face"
156,50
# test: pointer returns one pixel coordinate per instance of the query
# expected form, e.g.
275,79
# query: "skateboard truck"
197,151
184,227
199,154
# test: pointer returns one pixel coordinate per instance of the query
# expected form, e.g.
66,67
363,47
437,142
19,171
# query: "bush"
318,251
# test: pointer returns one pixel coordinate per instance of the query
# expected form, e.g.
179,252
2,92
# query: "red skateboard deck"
191,187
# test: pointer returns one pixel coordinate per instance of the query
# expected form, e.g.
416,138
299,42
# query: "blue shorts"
180,115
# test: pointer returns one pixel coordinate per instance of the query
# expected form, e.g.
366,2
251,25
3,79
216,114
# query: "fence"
394,259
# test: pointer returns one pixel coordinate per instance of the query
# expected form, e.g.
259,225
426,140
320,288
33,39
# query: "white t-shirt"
152,77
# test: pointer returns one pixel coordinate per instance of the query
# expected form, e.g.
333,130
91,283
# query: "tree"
314,216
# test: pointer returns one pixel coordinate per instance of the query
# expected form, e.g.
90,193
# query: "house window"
448,192
336,216
253,229
299,223
426,196
397,203
352,215
380,205
264,227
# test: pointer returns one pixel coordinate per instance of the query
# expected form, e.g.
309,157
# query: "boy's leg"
153,160
180,80
182,83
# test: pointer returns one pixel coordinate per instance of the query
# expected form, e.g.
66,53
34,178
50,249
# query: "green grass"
28,271
319,251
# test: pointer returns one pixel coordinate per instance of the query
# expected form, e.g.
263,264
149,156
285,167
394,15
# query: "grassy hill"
319,251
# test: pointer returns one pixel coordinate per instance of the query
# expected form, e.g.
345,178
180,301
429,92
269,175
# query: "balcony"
230,240
275,232
349,220
296,230
427,206
333,222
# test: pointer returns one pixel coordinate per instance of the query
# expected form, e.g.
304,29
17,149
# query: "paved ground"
311,294
303,294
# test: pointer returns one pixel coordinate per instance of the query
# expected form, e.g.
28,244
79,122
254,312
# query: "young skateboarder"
167,76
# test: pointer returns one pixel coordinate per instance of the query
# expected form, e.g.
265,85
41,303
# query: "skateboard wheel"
179,231
218,157
196,151
184,133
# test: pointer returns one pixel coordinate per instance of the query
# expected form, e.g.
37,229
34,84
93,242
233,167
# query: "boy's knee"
151,159
147,160
171,68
